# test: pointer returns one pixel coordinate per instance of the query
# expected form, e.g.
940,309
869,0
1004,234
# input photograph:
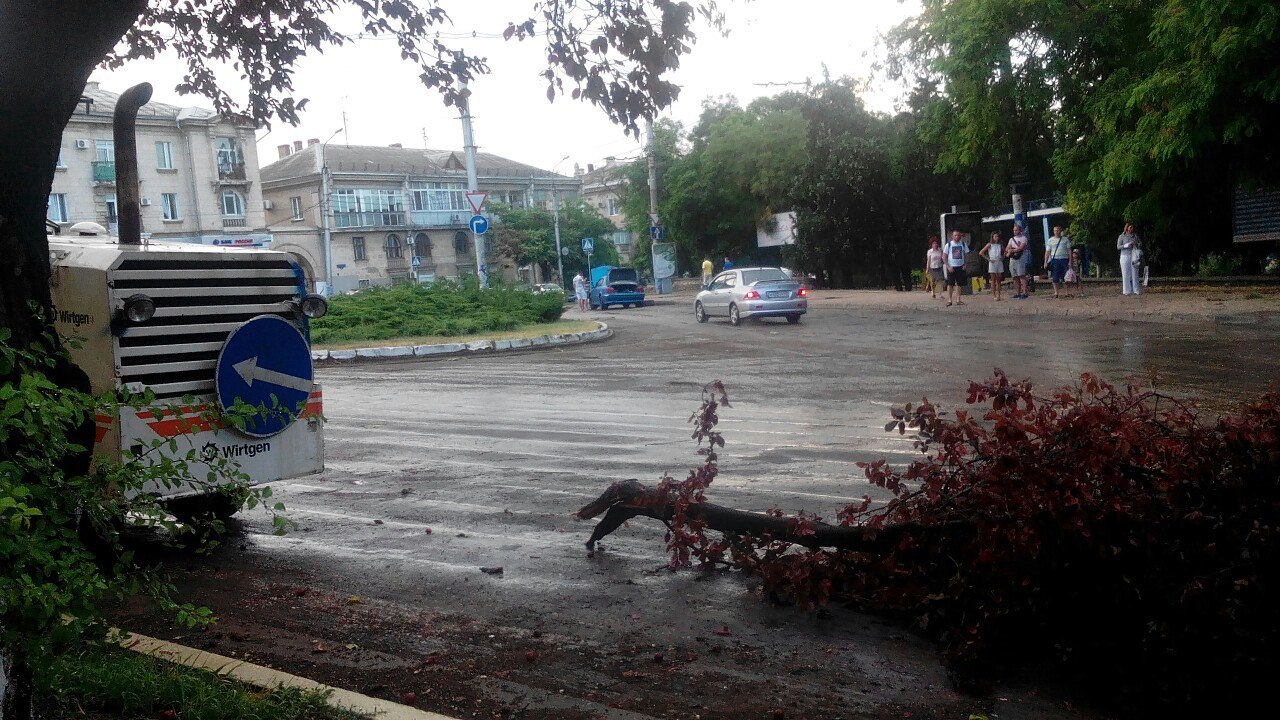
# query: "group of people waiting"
945,263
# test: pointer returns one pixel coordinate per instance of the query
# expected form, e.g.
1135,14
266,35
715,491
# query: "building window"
164,155
439,196
367,207
364,284
232,204
613,206
169,206
357,248
295,204
105,150
228,154
58,207
60,164
392,247
422,247
460,243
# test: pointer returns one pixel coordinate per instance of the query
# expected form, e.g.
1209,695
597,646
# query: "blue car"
615,286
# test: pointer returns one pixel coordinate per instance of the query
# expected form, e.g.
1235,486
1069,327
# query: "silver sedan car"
752,292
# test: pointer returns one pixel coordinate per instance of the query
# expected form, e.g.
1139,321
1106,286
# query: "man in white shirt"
955,251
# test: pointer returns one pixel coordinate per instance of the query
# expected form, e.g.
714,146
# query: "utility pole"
326,220
555,216
653,200
469,145
653,174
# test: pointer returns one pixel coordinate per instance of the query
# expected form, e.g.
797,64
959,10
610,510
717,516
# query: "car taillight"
804,292
609,290
751,295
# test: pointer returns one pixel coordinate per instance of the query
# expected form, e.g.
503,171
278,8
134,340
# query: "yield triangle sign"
477,200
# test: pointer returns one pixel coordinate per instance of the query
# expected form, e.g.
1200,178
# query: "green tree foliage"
527,235
871,197
1150,110
740,167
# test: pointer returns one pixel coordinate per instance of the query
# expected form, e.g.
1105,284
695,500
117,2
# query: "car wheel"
734,317
793,319
699,312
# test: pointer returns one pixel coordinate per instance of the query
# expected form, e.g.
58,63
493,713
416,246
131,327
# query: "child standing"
1075,273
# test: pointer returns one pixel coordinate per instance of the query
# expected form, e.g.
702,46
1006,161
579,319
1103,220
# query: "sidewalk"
1180,304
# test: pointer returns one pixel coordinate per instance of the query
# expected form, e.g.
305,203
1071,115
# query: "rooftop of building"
396,161
98,103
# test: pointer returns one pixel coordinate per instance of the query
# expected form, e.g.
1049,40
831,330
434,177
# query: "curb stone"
328,357
269,678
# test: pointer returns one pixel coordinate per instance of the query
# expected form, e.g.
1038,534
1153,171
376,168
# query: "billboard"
777,231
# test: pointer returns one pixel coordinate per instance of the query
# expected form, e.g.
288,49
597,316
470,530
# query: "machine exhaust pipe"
126,142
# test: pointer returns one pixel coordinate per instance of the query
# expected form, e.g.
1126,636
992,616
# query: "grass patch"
524,331
116,683
445,309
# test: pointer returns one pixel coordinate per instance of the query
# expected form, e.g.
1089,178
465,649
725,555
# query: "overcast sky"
770,41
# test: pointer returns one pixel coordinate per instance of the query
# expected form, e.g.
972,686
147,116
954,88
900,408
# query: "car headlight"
314,306
139,308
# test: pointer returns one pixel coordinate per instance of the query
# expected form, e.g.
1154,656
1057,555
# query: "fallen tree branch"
628,499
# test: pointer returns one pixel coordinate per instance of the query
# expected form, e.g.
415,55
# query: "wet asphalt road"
493,454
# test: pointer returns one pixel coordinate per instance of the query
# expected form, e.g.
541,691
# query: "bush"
443,309
1214,265
1111,533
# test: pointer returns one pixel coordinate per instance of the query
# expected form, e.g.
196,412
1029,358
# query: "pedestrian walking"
933,260
993,251
1130,247
1018,251
580,291
955,251
707,271
1075,272
1057,258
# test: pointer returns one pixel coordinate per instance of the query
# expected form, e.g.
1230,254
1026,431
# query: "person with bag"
1057,256
1129,245
1017,250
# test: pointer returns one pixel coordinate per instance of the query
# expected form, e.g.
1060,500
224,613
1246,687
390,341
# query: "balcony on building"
440,218
234,222
390,218
231,173
104,171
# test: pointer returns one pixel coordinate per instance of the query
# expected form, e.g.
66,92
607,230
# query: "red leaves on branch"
1111,531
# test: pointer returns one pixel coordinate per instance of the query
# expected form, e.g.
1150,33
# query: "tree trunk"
631,498
50,49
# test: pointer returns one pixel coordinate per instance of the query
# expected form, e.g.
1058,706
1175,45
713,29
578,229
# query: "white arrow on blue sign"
264,361
479,224
588,245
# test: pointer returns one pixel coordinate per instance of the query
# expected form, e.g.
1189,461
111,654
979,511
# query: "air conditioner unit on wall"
144,201
267,205
82,144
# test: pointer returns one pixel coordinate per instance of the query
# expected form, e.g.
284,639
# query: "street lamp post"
555,216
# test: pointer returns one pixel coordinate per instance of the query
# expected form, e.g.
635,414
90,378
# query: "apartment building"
197,170
602,189
388,205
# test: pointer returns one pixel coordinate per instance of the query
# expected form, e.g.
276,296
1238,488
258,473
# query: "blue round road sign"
264,358
479,224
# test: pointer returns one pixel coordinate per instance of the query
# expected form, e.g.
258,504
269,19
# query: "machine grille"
198,303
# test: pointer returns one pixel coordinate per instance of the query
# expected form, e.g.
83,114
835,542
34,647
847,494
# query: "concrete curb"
269,679
401,352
